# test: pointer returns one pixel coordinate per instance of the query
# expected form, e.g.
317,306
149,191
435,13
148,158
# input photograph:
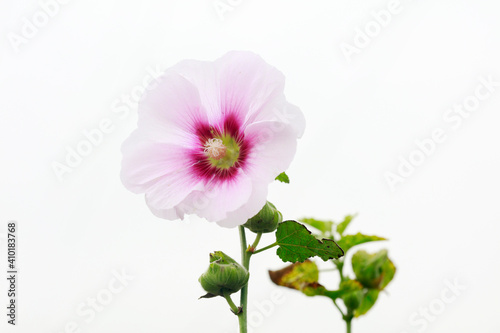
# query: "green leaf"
389,270
344,224
348,241
369,268
296,243
369,299
333,294
304,277
323,226
300,276
345,288
283,177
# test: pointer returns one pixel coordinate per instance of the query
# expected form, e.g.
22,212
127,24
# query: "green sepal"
369,298
389,270
266,220
352,294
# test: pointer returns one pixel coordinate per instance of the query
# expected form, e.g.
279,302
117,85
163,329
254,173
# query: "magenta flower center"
223,150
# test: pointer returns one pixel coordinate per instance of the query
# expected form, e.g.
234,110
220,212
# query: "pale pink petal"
248,83
167,214
275,144
215,200
295,118
145,161
168,191
253,206
253,88
171,110
239,82
204,76
282,111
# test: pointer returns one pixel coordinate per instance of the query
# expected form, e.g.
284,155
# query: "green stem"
340,266
246,253
256,242
338,307
245,259
327,270
348,320
233,306
265,248
346,317
348,324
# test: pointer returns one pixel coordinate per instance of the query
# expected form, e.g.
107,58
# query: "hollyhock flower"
211,137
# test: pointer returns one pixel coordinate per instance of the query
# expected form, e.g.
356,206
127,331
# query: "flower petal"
252,207
145,161
168,191
239,83
274,145
172,111
247,83
167,214
215,200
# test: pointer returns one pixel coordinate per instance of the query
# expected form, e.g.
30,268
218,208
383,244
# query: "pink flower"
211,137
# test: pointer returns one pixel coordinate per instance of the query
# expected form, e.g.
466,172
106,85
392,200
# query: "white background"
362,115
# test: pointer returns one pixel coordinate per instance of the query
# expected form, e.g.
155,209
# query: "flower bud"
369,268
266,220
224,275
353,296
